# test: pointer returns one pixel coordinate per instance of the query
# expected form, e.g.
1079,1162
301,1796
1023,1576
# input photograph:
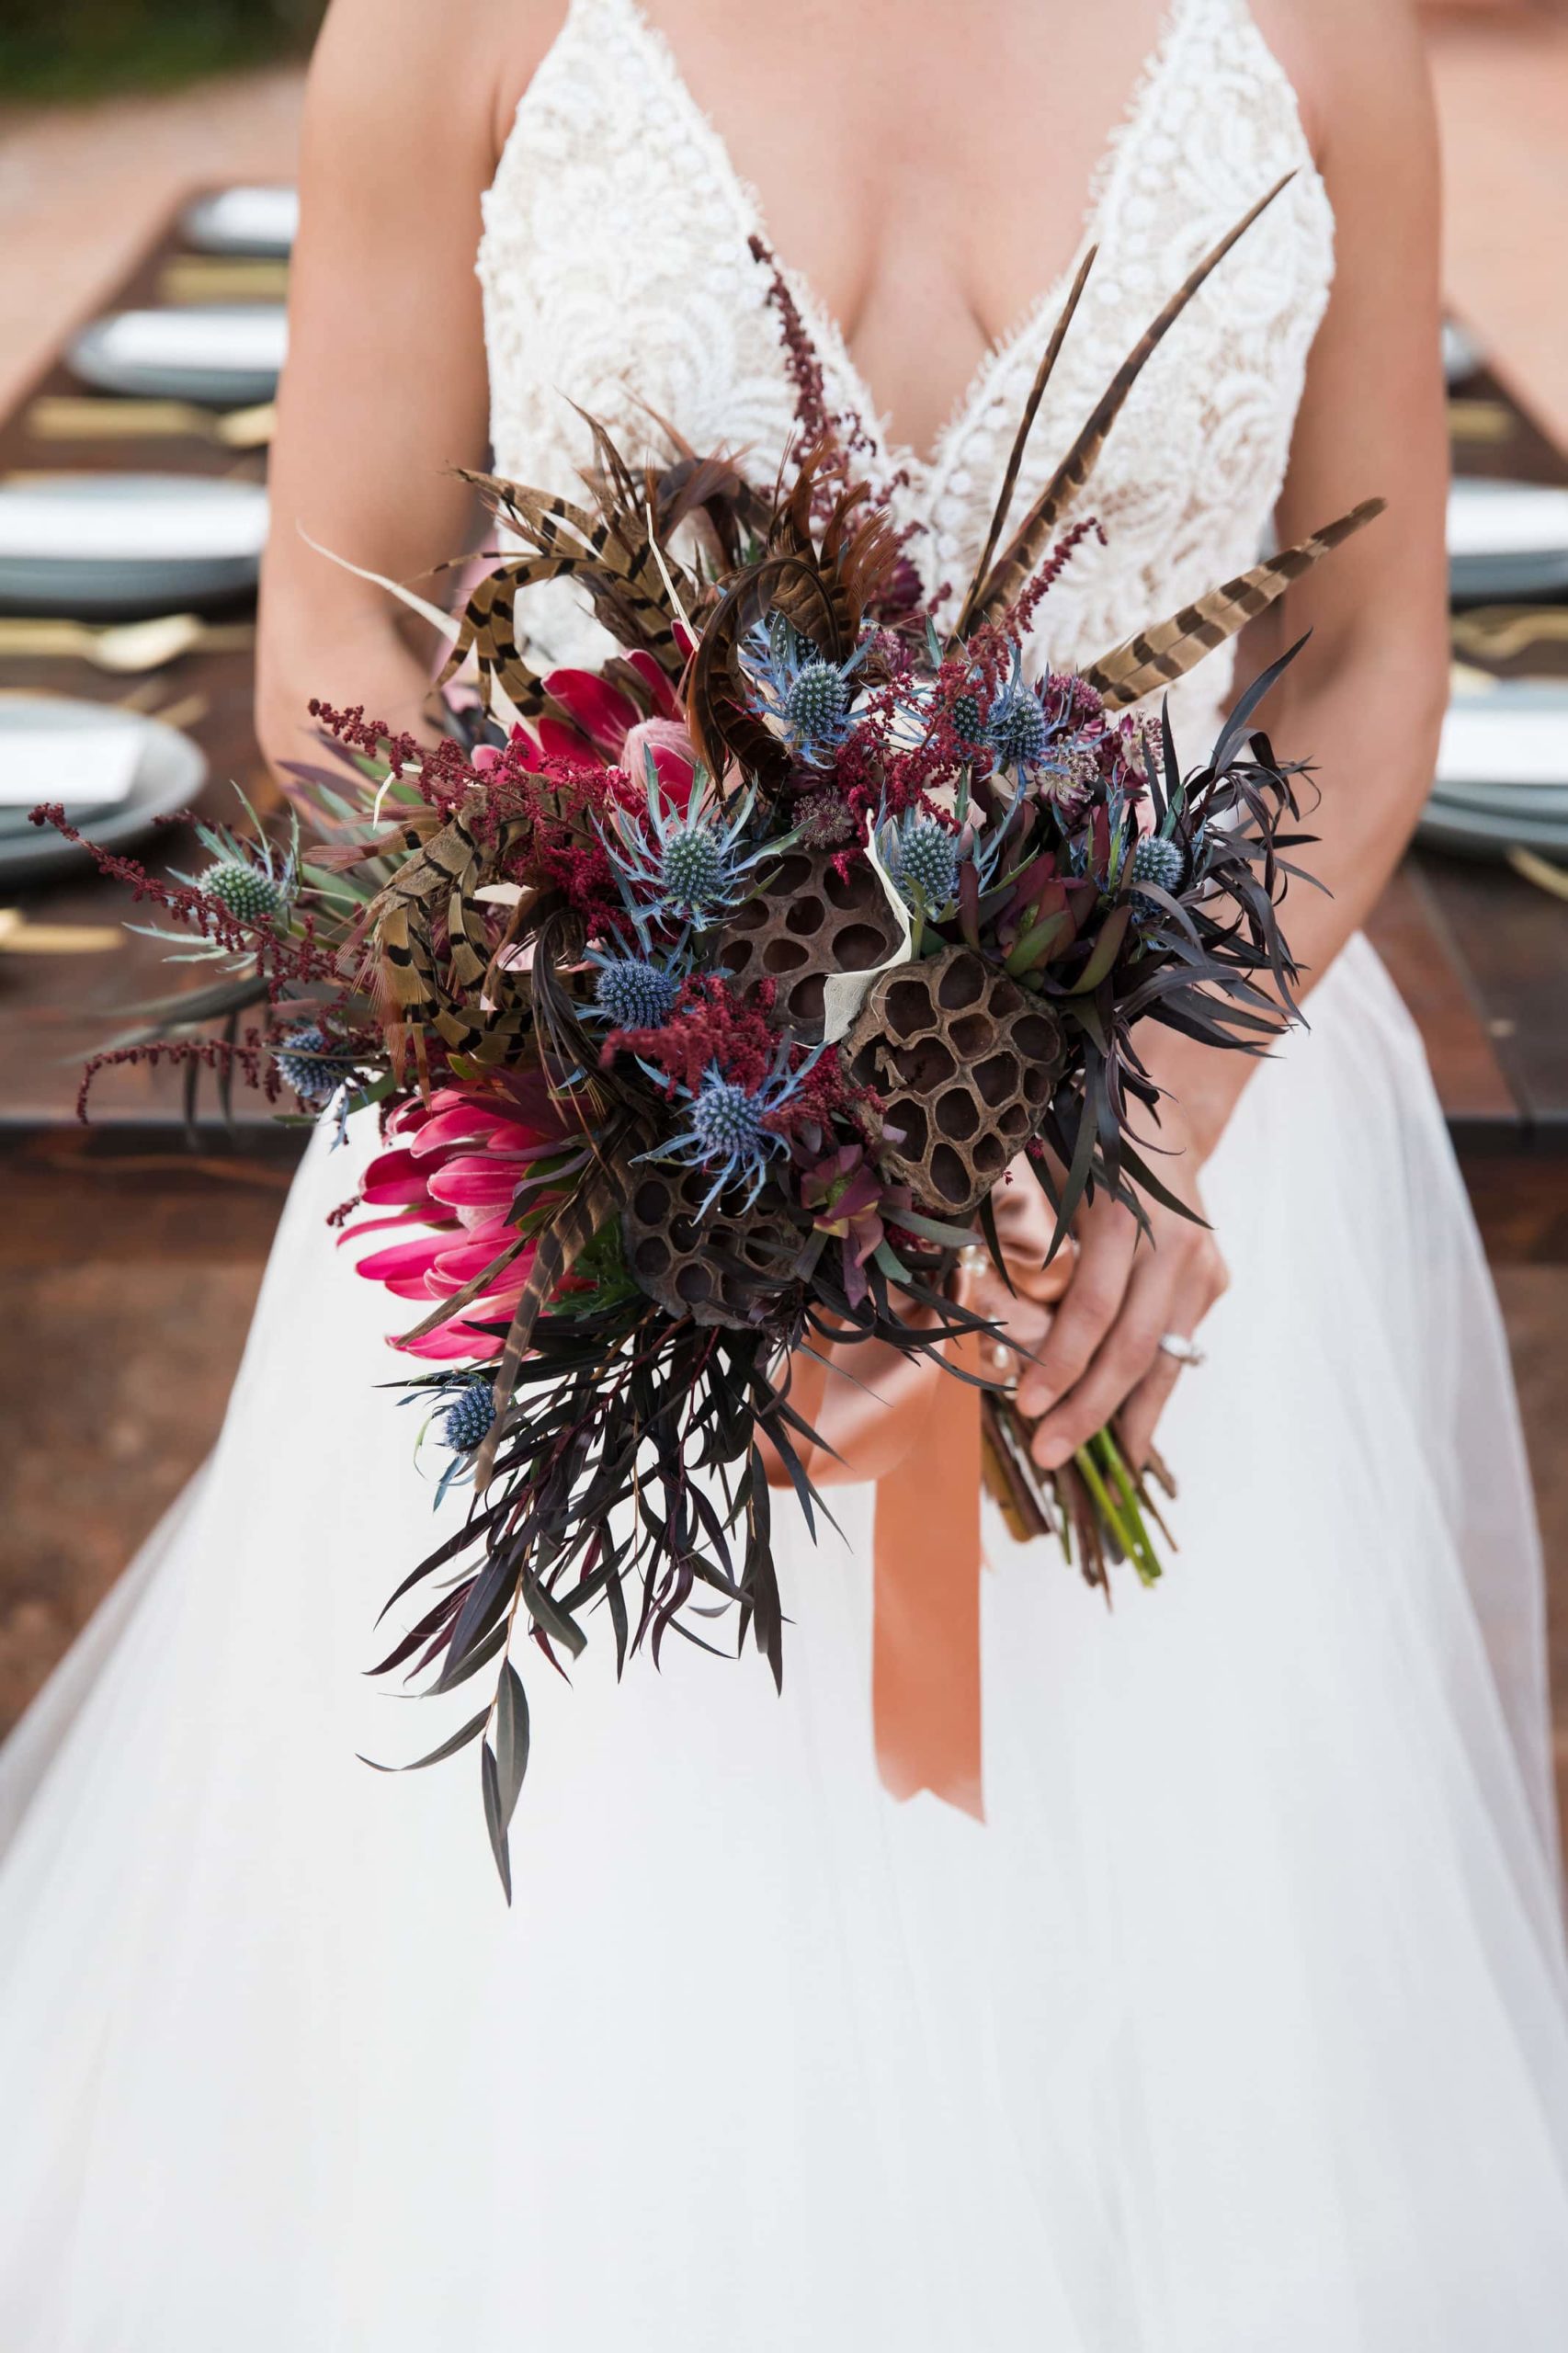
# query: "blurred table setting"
132,515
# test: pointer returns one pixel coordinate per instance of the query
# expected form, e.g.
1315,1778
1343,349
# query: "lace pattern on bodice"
615,271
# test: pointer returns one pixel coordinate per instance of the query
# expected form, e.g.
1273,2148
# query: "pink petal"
601,710
404,1264
473,1183
382,1225
451,1343
394,1177
464,1122
667,703
461,1261
564,743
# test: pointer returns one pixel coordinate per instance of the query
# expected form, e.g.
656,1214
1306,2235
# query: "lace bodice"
615,269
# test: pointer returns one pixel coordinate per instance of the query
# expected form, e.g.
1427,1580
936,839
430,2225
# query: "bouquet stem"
1098,1507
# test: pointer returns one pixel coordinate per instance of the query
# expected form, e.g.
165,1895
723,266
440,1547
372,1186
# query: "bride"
1240,2024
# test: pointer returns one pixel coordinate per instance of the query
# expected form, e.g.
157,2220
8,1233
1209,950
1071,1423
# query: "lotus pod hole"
806,922
682,1259
965,1062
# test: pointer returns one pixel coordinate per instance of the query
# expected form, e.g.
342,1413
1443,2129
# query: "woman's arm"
384,393
1364,700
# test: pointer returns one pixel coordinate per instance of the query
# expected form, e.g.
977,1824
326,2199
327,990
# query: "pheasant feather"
1012,570
1157,657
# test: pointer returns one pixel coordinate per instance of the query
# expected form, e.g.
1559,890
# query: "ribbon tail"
925,1698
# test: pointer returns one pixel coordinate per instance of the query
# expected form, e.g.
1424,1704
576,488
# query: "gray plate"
171,772
1481,835
1501,804
260,221
120,586
220,385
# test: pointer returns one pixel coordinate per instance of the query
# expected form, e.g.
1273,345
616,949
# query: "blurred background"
147,150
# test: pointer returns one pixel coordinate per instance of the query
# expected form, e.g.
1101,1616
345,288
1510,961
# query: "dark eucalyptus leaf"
494,1821
511,1740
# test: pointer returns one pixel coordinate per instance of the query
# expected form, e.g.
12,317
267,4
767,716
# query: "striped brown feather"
577,1221
1012,570
1158,657
465,924
1020,440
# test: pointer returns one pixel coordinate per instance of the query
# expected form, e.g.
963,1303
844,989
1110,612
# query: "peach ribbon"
926,1706
920,1442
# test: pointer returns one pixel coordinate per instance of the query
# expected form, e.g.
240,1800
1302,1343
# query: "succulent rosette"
705,998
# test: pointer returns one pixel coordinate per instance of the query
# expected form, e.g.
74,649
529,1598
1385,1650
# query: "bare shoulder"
435,67
1354,64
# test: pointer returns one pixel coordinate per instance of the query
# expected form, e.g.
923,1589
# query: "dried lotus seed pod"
808,922
679,1256
965,1062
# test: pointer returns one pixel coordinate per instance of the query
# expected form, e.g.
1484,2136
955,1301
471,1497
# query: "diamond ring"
1183,1351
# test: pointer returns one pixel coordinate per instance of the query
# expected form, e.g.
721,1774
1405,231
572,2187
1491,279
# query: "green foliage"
81,49
601,1262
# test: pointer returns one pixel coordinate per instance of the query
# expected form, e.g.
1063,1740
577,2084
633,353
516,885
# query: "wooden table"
1479,956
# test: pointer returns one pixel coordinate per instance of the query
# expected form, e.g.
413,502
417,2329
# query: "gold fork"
59,417
19,935
124,647
223,278
1503,630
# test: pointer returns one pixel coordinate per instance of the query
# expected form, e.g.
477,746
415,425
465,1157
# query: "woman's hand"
1101,1358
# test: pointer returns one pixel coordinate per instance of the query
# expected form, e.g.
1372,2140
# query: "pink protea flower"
451,1181
603,726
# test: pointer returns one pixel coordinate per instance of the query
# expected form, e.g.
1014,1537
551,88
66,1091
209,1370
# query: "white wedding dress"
1241,2024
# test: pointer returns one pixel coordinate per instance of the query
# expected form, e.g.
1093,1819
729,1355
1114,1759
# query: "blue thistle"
925,863
691,869
633,993
969,720
726,1125
1016,727
249,892
1159,861
726,1121
678,867
465,1424
1018,733
814,705
253,880
806,697
307,1063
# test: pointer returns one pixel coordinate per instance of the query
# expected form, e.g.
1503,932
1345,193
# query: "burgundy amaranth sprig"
1021,615
709,1025
843,429
282,957
880,773
442,773
245,1057
712,1028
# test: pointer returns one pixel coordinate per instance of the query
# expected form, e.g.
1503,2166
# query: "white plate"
223,353
1462,353
1502,777
1518,739
120,544
1506,539
260,221
169,772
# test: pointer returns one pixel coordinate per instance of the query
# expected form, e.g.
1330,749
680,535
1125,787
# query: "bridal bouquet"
708,995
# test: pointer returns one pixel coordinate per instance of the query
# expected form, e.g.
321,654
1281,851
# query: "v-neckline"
822,321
